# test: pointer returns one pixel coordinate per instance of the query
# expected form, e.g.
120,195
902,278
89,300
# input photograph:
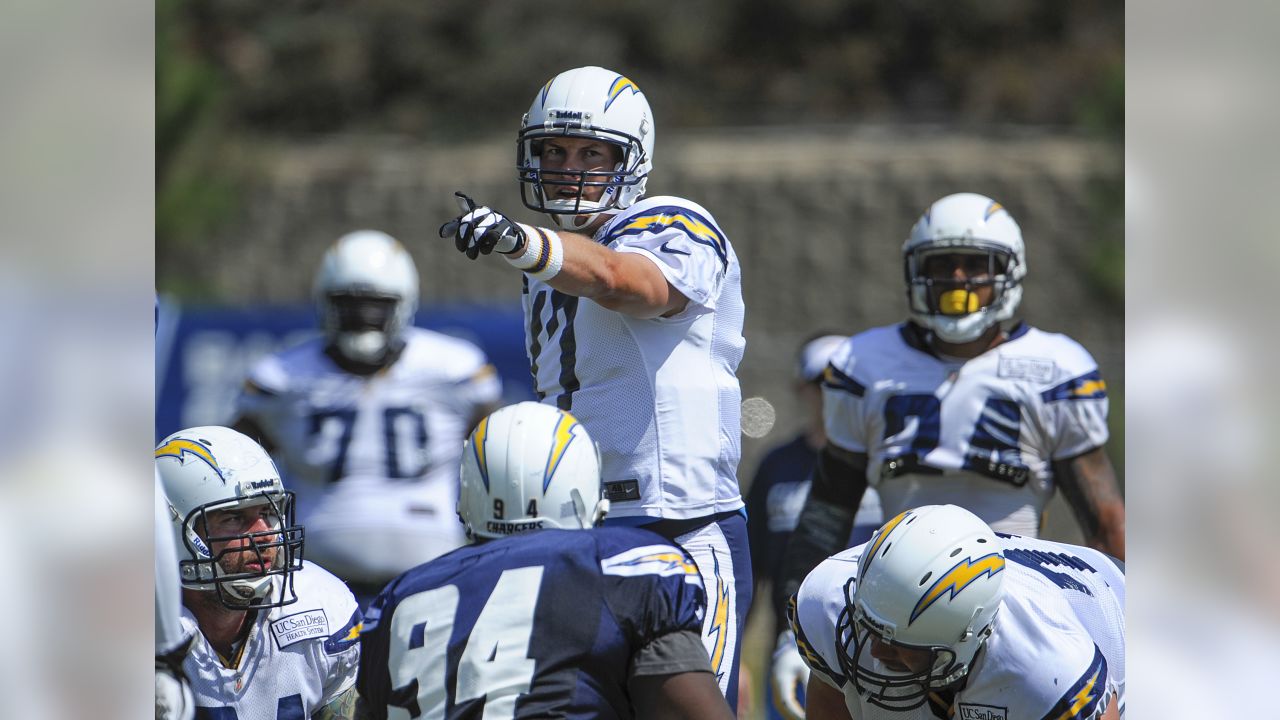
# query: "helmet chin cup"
366,346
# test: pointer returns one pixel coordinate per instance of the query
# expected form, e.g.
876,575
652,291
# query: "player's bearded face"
245,555
962,282
563,157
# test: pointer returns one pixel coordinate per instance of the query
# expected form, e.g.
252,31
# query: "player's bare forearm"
623,282
680,696
823,702
1089,484
342,707
827,518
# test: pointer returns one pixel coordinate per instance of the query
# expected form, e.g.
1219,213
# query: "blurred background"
815,134
815,131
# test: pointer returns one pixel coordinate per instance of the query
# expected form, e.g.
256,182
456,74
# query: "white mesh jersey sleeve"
814,611
474,380
338,654
1073,402
851,420
1057,650
682,239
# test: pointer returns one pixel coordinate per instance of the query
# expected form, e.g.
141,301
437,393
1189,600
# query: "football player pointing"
634,323
274,637
938,616
543,616
955,407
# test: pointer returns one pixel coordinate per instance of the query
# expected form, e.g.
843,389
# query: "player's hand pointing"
480,230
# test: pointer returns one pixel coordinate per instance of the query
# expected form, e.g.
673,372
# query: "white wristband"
543,257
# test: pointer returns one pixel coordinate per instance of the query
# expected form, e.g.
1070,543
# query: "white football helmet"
206,470
366,293
529,466
972,224
930,579
586,102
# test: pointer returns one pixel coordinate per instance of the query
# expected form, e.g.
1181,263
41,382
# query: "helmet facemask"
277,551
540,188
892,689
364,327
952,308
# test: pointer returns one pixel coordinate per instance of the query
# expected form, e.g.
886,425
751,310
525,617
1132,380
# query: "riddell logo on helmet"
567,114
507,528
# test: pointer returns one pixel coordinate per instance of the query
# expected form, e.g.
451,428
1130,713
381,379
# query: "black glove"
480,230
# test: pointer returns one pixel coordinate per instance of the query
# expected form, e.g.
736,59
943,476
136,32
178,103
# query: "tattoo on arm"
343,707
1089,485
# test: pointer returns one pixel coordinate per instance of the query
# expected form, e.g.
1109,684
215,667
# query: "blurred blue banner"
203,353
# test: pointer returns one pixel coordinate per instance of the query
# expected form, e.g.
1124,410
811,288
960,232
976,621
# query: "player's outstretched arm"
680,696
839,481
623,282
1089,484
823,702
570,262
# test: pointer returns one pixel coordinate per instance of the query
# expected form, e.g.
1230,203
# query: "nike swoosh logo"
664,248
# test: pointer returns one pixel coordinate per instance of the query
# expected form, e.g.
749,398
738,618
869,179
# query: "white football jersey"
981,434
374,459
1056,651
659,396
296,659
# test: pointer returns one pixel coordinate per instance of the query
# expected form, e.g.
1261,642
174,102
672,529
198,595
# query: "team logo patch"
181,448
297,627
1026,368
955,580
965,711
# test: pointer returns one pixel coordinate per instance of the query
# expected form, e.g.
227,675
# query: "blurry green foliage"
452,69
193,186
448,68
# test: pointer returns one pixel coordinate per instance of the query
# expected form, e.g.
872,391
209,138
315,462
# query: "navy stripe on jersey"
694,226
568,349
836,380
1083,699
346,636
535,337
1089,386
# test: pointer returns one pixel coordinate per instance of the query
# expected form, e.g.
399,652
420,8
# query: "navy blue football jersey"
534,625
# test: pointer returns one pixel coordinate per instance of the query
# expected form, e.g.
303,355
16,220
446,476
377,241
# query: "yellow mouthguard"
958,302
